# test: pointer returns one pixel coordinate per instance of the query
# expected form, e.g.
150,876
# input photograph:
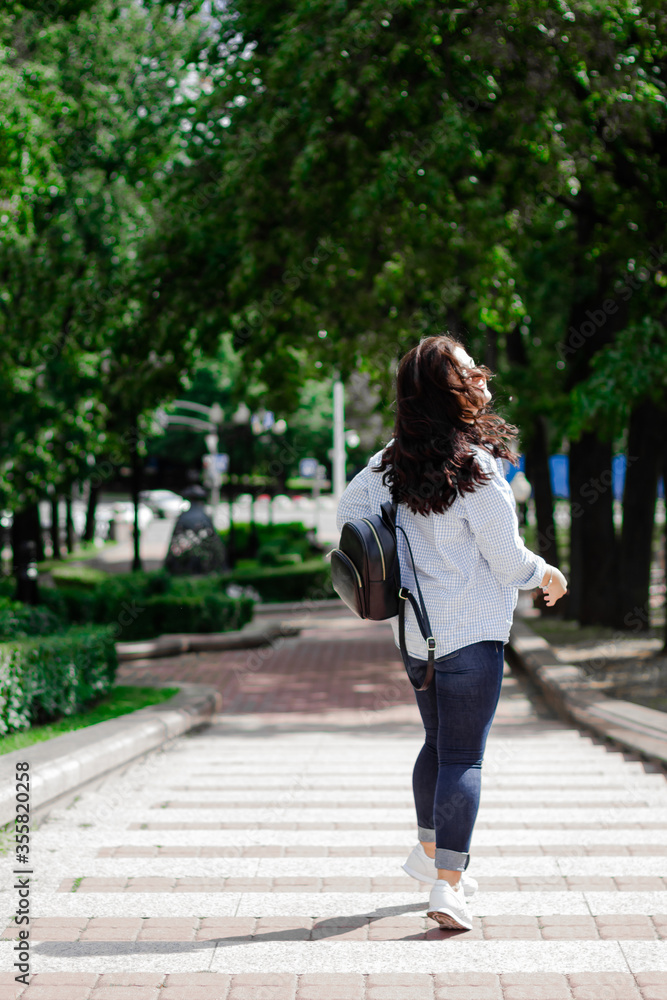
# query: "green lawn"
121,701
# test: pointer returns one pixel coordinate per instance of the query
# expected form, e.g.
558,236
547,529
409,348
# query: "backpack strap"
423,622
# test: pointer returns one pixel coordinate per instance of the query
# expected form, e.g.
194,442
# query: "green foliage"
307,581
19,620
82,576
7,586
276,542
145,604
391,173
50,676
92,94
128,597
632,368
119,701
73,603
174,612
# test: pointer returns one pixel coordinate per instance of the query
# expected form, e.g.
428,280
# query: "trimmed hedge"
186,613
19,620
310,580
304,581
144,605
46,677
278,544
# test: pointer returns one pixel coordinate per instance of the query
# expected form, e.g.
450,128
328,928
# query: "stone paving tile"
130,979
404,825
279,851
402,883
40,991
130,992
604,986
526,986
192,993
304,803
627,925
344,986
566,927
556,799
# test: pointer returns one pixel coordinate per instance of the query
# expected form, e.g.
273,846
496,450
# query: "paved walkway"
259,859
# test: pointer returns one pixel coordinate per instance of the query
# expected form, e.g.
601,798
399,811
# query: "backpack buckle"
403,596
429,641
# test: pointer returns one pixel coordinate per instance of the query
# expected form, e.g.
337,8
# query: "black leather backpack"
365,573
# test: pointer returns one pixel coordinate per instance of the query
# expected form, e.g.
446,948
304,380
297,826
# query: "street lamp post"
338,438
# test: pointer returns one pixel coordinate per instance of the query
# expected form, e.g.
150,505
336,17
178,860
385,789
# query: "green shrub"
273,540
74,604
143,605
306,581
80,576
46,677
19,620
206,612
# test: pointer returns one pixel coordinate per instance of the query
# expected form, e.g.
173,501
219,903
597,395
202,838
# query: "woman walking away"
443,468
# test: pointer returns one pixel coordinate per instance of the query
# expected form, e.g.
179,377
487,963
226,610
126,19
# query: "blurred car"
122,511
164,503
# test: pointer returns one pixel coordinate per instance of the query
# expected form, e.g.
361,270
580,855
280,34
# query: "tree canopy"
324,184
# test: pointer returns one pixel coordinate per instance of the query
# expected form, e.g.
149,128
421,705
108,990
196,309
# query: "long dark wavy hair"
430,460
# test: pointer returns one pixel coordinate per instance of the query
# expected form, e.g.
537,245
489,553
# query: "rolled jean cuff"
451,861
427,836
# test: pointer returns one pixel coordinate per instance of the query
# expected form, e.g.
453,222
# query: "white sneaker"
448,906
421,867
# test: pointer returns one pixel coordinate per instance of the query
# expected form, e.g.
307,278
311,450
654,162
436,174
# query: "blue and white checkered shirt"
471,559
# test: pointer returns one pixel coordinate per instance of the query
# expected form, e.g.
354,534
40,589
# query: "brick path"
260,858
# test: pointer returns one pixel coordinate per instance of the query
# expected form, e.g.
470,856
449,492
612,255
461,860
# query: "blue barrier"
559,471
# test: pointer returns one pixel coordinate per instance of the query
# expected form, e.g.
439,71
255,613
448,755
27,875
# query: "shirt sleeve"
491,515
355,501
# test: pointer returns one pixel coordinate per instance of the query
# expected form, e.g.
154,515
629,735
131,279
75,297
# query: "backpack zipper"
384,571
347,560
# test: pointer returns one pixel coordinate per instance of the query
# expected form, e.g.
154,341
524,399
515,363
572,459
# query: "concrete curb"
61,765
173,644
635,727
296,607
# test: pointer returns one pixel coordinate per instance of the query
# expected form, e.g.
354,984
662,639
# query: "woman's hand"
553,591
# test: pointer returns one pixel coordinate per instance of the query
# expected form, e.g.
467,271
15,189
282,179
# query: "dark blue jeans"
457,711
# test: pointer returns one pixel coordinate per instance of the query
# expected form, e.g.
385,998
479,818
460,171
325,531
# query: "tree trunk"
641,489
539,476
664,494
136,486
55,526
537,473
593,549
70,534
93,496
40,553
26,541
537,466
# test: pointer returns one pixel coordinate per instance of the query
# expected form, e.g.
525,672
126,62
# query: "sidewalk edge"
634,727
62,764
175,643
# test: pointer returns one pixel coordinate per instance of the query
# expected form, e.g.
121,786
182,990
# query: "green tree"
99,90
392,171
